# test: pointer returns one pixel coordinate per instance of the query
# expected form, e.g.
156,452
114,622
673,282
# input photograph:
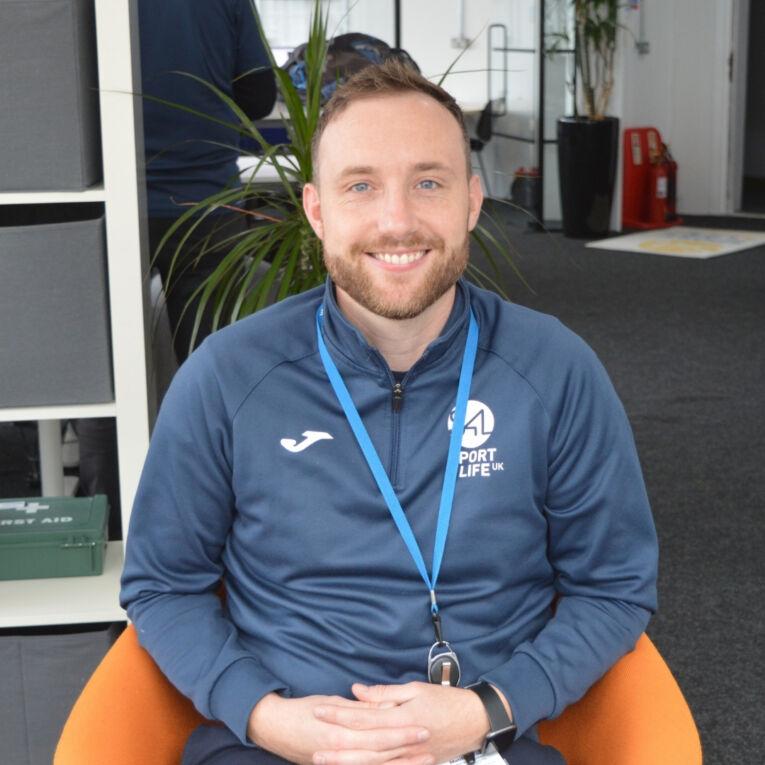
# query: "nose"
396,215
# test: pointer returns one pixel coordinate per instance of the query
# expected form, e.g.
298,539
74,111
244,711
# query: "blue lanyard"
378,471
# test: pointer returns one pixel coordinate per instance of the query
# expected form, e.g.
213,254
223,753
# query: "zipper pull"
398,397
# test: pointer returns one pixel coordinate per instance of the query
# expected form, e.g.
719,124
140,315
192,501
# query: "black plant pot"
587,154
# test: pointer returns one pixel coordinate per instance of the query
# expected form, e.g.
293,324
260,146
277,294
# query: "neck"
400,341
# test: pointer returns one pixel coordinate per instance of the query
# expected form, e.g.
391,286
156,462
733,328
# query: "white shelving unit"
93,194
95,599
28,413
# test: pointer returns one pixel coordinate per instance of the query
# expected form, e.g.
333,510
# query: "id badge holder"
490,756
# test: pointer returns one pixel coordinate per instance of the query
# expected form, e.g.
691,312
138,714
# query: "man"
288,440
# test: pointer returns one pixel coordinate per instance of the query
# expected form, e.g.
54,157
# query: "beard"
354,275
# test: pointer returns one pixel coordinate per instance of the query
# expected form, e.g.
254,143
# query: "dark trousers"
213,745
97,439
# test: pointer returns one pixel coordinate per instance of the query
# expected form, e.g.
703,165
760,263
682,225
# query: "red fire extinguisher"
663,196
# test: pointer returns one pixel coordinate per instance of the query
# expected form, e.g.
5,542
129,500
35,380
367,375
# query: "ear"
475,200
312,208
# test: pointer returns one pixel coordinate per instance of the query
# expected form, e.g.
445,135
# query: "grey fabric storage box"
42,677
54,322
49,95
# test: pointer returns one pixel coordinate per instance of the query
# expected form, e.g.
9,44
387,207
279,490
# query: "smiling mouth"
399,258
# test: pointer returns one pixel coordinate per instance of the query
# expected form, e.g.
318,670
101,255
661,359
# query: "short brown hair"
389,78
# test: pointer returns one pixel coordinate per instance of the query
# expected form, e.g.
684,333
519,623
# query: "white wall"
681,87
287,23
428,28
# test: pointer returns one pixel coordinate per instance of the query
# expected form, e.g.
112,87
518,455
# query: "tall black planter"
587,154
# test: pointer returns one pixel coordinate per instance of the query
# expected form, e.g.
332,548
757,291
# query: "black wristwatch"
503,729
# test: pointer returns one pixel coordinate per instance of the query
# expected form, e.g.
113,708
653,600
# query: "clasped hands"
412,724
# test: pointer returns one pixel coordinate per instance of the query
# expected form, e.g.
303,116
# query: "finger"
378,740
374,704
344,702
400,756
360,717
341,701
385,693
422,759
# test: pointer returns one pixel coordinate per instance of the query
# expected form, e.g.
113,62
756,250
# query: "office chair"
483,133
129,714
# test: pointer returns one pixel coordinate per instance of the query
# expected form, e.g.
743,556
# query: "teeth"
399,258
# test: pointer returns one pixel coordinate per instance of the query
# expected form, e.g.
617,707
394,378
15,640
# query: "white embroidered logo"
479,425
310,437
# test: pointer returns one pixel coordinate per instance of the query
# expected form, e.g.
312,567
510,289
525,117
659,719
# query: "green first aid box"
44,537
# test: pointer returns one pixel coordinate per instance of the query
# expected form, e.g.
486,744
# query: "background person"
189,158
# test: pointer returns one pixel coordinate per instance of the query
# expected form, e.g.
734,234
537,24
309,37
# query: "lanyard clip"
436,617
437,628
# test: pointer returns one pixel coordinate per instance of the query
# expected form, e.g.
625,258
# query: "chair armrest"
127,714
635,714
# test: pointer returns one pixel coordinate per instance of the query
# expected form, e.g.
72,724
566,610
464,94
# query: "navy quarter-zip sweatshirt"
254,476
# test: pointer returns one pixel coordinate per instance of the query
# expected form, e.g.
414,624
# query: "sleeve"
601,543
182,514
250,52
254,91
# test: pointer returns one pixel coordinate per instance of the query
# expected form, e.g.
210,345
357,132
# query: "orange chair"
129,714
634,715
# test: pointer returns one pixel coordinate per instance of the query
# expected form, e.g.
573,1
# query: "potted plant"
588,141
280,255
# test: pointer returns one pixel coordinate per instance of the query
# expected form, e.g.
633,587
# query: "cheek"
346,224
452,223
449,212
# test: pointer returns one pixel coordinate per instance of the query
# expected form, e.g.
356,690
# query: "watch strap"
502,727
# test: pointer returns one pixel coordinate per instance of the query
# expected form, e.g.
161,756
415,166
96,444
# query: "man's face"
393,205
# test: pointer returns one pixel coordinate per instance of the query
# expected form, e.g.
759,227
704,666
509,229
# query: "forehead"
391,131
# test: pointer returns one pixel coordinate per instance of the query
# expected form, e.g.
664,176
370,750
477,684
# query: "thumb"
383,695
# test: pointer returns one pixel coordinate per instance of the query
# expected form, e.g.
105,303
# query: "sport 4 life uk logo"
479,425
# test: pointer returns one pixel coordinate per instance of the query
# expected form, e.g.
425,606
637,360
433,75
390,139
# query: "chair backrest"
129,714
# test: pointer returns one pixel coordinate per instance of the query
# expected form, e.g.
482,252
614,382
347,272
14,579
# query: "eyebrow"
420,167
357,170
424,167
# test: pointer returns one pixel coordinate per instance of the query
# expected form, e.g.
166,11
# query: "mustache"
389,243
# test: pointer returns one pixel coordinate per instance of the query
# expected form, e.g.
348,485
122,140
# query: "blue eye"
428,184
359,187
